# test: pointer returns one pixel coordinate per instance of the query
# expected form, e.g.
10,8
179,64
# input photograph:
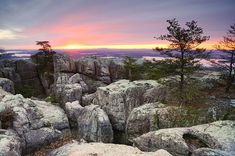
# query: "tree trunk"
130,74
230,76
181,83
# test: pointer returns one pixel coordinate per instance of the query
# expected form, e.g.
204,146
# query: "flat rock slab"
100,149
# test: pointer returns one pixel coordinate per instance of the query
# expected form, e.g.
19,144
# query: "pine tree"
183,49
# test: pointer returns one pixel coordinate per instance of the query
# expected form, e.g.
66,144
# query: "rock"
8,70
36,139
9,143
92,122
184,141
32,119
211,152
92,84
103,69
148,117
53,116
68,92
3,93
87,99
100,149
63,63
7,85
119,98
158,93
22,73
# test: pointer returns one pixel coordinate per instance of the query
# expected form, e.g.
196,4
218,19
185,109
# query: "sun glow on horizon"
129,46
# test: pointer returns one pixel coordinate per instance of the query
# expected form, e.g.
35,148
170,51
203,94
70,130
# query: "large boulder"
68,92
32,119
119,98
63,63
184,141
148,117
70,87
100,149
3,93
7,85
92,122
9,143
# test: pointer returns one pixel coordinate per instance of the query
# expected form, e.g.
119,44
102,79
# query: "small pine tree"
183,49
130,65
227,47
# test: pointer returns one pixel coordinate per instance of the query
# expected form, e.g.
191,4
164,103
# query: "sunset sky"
124,24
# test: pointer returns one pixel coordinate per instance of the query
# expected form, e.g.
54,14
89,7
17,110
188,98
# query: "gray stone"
63,63
183,141
68,92
87,99
32,118
211,152
92,122
101,149
106,70
120,98
7,85
148,117
9,143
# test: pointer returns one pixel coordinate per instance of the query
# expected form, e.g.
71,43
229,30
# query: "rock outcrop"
120,98
63,63
183,141
103,69
148,117
22,73
7,85
92,123
9,143
35,122
100,149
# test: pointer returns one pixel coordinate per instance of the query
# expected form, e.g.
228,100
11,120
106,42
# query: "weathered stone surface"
63,63
87,99
92,122
158,93
120,98
100,149
92,84
183,141
7,85
148,117
68,92
3,93
53,116
9,143
21,72
34,119
104,69
211,152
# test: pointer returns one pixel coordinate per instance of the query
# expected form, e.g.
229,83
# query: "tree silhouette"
184,49
227,47
46,47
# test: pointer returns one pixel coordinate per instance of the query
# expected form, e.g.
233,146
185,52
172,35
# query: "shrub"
51,99
25,90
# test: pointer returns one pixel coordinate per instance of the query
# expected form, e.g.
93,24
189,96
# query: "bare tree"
227,47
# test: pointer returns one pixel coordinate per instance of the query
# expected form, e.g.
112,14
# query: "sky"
121,24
